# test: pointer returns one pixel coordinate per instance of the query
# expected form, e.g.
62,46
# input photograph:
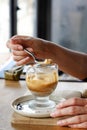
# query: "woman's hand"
76,108
17,43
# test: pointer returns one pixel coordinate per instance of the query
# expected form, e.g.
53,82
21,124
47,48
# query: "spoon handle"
30,53
36,60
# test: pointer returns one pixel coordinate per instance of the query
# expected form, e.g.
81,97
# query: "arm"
69,61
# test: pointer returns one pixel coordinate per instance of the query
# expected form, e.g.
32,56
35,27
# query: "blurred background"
61,21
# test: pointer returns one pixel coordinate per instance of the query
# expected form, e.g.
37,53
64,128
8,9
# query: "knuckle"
79,119
74,101
66,122
13,52
73,110
15,59
85,125
7,44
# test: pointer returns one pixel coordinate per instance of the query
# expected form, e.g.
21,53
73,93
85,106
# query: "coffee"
42,82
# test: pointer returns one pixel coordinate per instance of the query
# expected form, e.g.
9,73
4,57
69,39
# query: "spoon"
36,60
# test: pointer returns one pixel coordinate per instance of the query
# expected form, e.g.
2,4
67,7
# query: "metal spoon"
36,60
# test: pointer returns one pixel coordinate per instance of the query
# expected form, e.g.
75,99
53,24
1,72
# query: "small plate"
20,105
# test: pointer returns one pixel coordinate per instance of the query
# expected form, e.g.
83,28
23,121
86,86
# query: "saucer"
21,104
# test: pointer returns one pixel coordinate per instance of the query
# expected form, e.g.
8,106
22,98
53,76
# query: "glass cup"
41,80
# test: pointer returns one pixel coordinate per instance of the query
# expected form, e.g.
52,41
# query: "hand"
17,43
74,107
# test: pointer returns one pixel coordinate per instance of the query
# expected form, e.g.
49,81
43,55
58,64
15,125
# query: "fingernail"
59,105
60,123
20,47
52,114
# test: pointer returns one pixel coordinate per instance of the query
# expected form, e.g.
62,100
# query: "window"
4,25
25,20
26,17
69,23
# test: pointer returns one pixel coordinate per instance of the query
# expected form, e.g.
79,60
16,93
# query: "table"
9,90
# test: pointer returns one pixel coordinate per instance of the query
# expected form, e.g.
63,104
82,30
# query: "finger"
73,120
15,46
20,37
25,41
72,101
81,125
23,61
17,57
72,110
19,53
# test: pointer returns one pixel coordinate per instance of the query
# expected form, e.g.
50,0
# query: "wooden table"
9,90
